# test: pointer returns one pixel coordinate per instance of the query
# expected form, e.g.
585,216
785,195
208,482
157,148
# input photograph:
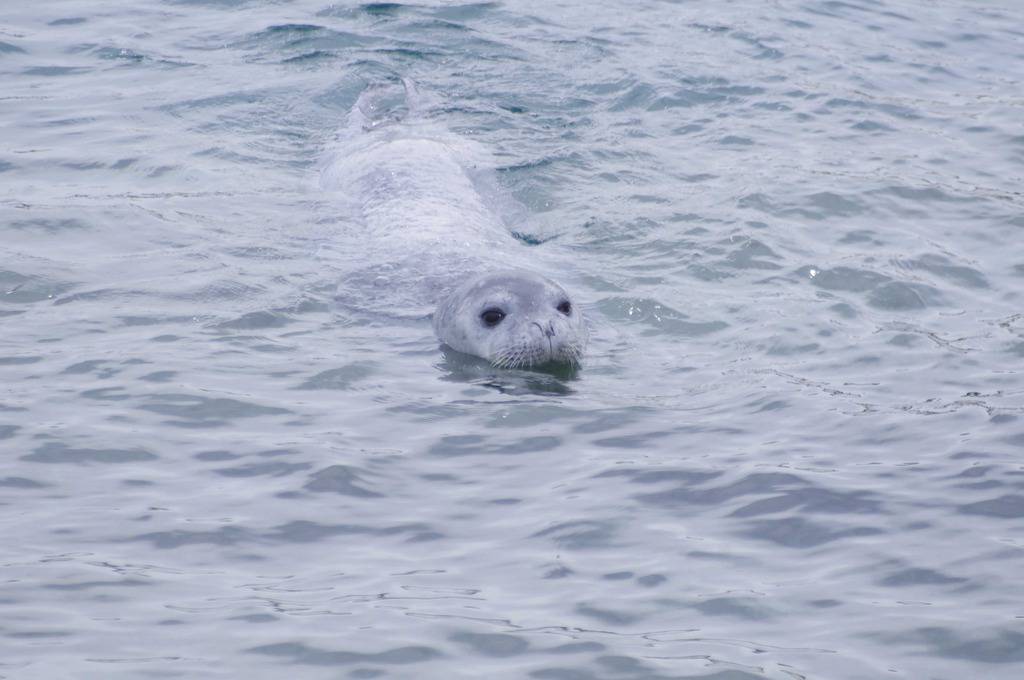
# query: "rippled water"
795,448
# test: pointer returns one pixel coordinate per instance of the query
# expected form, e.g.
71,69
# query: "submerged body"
422,214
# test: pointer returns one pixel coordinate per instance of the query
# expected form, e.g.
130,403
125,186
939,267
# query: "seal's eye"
564,307
492,316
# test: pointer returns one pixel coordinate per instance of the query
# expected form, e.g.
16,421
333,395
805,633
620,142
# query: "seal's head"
514,319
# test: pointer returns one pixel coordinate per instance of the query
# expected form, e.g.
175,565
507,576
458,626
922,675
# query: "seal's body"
415,187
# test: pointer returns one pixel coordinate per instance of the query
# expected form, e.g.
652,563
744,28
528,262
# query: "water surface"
795,448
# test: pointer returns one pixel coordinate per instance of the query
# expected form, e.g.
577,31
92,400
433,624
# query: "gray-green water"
795,448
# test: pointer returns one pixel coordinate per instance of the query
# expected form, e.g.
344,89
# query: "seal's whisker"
502,359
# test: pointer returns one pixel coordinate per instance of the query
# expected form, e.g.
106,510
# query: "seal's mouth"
532,356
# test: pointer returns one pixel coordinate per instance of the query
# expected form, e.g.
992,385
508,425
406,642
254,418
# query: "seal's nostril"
548,332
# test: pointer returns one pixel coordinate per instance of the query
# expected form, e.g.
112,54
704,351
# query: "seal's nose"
548,332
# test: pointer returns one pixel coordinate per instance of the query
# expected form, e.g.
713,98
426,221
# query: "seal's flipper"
384,103
379,104
419,102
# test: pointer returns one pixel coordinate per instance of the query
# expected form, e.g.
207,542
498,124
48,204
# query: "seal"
426,223
514,319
